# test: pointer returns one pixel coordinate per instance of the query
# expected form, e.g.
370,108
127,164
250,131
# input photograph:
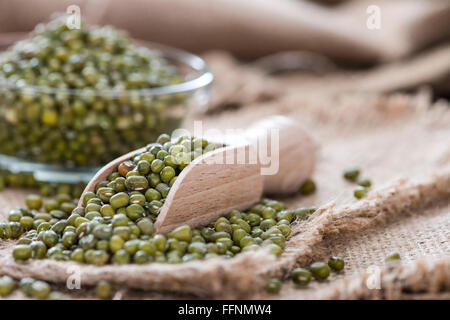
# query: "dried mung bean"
301,276
394,256
336,263
320,270
33,202
22,252
103,290
273,286
364,182
40,290
308,187
7,285
351,174
359,192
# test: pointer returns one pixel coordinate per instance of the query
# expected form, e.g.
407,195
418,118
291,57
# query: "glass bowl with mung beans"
78,98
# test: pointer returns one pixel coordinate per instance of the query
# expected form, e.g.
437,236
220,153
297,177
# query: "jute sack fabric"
401,142
256,28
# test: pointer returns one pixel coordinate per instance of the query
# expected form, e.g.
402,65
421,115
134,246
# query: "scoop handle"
286,153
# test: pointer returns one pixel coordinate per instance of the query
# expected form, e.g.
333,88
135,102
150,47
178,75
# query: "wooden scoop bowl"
219,181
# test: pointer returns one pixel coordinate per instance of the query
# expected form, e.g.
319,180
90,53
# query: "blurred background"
264,54
375,46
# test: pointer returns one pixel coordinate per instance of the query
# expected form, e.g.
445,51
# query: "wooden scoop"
231,177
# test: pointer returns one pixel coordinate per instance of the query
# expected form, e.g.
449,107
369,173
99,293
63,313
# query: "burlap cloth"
401,142
257,28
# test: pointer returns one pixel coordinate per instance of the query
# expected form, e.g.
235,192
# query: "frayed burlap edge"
245,275
234,278
400,197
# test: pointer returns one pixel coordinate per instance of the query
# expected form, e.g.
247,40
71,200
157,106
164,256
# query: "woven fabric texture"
401,142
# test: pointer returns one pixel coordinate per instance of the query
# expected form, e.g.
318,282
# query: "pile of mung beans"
75,97
115,223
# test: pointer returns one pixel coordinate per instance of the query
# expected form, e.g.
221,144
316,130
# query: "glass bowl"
64,135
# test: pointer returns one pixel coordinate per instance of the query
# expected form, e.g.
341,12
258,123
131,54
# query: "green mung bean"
301,276
274,286
336,263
